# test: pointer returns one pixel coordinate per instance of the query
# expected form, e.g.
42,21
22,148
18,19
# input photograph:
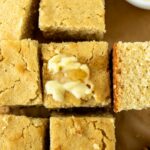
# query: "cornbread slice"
131,74
78,20
22,133
19,73
17,18
82,133
76,74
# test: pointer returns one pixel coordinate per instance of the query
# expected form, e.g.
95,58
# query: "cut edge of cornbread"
30,23
128,93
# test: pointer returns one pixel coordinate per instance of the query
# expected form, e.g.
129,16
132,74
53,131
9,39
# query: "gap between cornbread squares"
20,77
77,20
22,133
93,132
76,74
131,75
17,19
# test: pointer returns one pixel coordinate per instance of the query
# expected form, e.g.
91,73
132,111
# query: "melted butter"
76,73
64,63
76,88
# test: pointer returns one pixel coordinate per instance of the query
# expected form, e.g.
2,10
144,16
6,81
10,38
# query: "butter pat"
55,89
64,63
76,88
71,68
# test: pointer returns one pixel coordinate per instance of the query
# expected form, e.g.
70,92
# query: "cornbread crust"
17,18
82,132
22,133
19,73
65,19
96,56
131,79
115,81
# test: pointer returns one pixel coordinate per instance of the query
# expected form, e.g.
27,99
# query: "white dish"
144,4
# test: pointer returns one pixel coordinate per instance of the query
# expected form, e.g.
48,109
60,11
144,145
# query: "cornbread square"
131,74
19,73
17,18
82,132
78,20
76,74
22,133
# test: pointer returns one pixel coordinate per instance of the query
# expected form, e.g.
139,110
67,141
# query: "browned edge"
115,79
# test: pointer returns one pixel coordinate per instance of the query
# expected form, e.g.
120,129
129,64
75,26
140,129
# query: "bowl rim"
144,4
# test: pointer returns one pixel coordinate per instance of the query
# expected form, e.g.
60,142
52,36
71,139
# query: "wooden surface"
127,23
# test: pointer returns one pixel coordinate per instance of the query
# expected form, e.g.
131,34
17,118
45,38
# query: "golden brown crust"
115,79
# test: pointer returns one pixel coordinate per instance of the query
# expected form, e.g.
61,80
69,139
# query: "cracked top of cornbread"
82,132
22,133
19,73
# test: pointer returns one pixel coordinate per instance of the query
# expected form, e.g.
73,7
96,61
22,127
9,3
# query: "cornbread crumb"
131,73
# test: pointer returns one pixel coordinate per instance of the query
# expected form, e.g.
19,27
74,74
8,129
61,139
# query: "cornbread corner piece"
22,133
78,20
19,73
82,132
76,74
131,75
17,18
